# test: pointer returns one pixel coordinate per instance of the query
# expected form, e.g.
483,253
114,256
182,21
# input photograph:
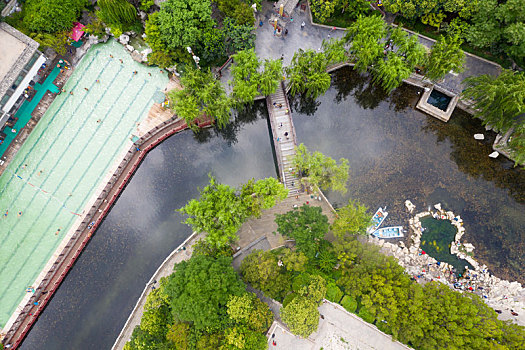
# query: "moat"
395,153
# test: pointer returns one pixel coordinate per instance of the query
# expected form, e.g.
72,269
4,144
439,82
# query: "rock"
479,136
130,48
142,15
124,39
494,154
136,56
468,247
410,206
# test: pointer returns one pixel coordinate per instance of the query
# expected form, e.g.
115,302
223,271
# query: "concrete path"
338,329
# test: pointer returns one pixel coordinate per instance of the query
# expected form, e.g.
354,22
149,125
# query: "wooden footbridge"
284,138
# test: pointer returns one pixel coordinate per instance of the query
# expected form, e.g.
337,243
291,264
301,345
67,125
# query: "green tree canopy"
202,97
249,80
262,271
301,316
365,39
446,55
239,36
118,13
51,16
221,210
183,22
307,225
352,219
320,170
200,288
307,73
248,310
500,100
238,10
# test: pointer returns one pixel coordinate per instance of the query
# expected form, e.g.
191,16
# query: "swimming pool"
66,157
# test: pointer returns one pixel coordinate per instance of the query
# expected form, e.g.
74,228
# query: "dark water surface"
91,306
397,153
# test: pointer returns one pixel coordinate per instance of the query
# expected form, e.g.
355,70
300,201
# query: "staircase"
284,138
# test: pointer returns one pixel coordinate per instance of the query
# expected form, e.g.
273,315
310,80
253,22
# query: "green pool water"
65,159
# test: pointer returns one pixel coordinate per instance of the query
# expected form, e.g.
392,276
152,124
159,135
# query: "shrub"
350,304
366,315
334,294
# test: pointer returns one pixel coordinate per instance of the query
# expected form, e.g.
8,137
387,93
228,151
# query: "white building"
19,63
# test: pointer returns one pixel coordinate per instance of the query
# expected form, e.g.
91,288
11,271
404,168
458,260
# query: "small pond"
436,239
439,100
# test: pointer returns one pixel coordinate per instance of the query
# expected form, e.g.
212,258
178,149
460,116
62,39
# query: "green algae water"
65,159
436,239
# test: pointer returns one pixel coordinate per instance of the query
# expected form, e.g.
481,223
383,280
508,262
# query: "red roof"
77,31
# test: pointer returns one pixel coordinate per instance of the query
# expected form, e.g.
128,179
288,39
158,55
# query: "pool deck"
34,112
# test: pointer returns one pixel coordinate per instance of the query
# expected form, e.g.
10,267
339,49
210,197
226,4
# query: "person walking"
302,25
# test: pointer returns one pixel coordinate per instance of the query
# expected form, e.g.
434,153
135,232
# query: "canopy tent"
77,31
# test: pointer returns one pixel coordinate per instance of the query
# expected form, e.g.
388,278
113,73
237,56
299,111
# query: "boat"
377,220
389,232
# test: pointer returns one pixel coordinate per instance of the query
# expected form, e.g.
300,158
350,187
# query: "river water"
395,153
95,299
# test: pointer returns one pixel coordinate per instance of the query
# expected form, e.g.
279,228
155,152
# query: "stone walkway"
338,329
284,138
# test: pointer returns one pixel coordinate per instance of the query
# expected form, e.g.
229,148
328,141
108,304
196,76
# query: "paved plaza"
338,330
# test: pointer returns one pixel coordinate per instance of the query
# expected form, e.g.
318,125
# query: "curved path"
43,293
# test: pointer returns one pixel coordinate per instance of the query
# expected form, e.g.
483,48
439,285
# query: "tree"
445,55
199,291
391,72
202,97
177,336
517,145
221,210
294,261
306,225
261,194
238,36
314,289
271,77
51,16
322,9
211,48
307,73
351,219
320,170
498,101
249,311
118,14
238,10
239,337
245,76
365,38
183,22
262,271
301,316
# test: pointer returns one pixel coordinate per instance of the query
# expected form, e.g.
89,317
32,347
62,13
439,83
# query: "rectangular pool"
65,159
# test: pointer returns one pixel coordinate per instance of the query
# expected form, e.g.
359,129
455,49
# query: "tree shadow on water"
245,114
303,104
350,82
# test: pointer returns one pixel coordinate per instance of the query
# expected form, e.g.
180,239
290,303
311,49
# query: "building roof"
17,50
